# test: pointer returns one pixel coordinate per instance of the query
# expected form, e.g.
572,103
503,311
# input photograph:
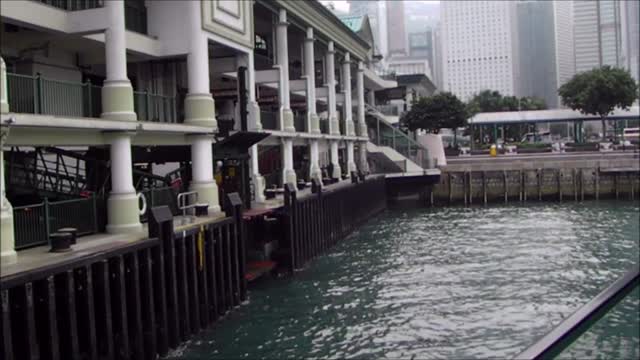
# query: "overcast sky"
342,5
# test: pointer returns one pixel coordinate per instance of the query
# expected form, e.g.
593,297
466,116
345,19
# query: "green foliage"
493,101
599,91
443,110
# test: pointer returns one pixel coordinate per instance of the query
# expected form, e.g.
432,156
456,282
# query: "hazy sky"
342,5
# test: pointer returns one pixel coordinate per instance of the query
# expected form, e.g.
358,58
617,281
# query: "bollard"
60,242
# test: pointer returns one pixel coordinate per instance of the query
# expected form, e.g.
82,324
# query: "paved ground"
40,256
543,156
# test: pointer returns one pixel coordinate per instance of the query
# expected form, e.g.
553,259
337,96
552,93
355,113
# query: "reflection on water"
448,282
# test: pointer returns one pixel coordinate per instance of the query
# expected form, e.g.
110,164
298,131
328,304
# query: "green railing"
135,12
384,134
34,223
73,5
135,16
39,95
155,108
159,197
269,120
324,126
300,122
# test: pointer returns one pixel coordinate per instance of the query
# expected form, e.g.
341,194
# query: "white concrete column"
7,241
310,73
362,125
117,93
199,107
253,109
372,98
334,127
259,184
314,163
288,173
346,89
4,100
335,160
351,164
282,61
202,172
363,165
122,206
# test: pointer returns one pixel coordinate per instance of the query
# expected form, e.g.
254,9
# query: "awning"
237,145
544,116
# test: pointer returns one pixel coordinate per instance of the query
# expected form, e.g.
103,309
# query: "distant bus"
631,134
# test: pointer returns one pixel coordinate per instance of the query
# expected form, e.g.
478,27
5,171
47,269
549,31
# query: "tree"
441,111
599,92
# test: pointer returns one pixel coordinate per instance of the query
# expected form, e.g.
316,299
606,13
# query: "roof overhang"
544,116
325,23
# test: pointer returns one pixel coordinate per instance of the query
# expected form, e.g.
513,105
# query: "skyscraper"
630,23
545,43
479,41
396,28
598,33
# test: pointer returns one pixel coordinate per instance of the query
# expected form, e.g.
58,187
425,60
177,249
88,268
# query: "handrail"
579,322
381,118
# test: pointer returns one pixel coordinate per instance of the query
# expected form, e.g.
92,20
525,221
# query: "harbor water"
445,283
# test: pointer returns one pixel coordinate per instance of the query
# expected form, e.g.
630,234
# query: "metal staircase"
64,174
385,134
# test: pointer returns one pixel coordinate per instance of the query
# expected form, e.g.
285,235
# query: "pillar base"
123,213
362,130
255,123
289,177
8,254
4,108
350,128
200,110
207,193
314,122
337,171
287,120
117,101
352,167
316,173
335,126
259,186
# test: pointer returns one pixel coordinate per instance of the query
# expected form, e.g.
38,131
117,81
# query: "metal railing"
34,223
563,335
39,95
164,196
300,122
135,16
384,134
324,126
155,108
73,5
269,120
135,12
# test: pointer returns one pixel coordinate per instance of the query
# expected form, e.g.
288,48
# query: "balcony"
300,122
135,12
38,95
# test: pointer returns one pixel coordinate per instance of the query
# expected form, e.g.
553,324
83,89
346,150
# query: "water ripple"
445,283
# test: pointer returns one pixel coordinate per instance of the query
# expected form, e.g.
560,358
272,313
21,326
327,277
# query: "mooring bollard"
60,242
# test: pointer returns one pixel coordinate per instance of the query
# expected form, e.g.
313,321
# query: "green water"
444,283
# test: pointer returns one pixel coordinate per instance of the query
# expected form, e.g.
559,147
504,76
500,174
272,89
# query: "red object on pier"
256,269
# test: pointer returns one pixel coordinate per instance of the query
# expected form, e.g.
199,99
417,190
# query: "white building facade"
170,78
479,44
